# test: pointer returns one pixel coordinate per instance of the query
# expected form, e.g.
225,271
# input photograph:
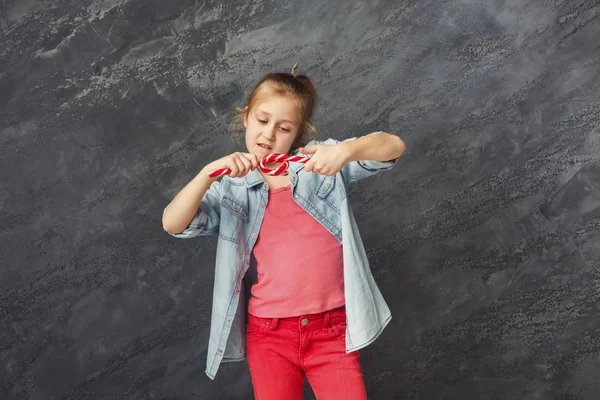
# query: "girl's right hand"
239,163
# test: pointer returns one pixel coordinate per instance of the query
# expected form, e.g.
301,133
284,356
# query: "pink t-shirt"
299,263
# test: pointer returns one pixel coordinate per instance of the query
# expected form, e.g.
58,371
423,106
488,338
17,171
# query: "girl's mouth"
264,146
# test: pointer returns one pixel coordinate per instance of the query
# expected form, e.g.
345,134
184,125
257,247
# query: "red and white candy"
285,159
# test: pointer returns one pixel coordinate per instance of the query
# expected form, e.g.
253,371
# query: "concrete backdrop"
485,238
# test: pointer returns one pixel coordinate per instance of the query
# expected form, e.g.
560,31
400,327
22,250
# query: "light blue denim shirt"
234,209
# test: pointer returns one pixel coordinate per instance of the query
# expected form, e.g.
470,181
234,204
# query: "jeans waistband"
301,322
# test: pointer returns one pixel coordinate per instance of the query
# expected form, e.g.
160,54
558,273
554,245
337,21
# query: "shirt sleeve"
356,170
208,216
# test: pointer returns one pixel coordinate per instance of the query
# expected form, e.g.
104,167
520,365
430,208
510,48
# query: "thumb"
308,150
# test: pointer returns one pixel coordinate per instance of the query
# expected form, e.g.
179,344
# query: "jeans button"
304,321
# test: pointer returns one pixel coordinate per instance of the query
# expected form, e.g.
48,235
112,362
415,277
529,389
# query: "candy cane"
285,159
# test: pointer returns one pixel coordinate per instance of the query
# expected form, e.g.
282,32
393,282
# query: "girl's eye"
264,122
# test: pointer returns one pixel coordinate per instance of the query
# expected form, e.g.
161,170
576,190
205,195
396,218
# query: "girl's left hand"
327,160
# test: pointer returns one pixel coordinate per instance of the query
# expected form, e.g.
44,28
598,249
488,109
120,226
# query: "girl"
293,292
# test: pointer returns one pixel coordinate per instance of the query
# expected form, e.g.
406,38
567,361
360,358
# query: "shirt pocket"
328,192
325,186
234,216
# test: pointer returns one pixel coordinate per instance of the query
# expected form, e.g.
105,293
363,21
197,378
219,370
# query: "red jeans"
280,351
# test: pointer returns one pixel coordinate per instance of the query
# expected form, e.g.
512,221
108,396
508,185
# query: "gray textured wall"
485,238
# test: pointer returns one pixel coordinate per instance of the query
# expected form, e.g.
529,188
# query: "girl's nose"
269,132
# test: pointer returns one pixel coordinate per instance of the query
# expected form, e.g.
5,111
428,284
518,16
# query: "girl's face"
273,123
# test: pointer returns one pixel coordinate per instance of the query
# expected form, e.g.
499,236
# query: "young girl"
293,291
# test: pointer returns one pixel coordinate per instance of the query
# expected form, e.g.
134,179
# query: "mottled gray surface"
485,238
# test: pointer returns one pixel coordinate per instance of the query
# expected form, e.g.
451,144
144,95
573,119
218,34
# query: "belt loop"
273,324
326,320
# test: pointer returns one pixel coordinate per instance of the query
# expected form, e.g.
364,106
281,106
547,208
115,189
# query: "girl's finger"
253,158
240,166
243,163
236,166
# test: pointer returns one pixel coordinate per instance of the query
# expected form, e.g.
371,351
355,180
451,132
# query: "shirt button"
319,217
253,234
340,237
235,209
297,197
237,289
228,320
327,186
262,205
220,350
247,261
304,321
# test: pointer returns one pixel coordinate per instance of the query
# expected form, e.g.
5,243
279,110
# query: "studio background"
484,238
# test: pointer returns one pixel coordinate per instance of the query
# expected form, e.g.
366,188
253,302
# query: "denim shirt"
234,209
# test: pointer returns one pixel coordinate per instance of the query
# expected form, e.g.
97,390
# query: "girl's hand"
327,160
239,164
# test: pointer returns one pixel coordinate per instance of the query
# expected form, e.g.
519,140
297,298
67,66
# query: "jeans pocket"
255,332
337,329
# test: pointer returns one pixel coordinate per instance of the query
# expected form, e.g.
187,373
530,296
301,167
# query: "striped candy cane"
285,159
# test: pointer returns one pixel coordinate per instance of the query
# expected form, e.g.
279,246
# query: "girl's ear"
246,117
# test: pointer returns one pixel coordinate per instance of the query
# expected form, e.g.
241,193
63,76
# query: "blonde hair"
298,87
